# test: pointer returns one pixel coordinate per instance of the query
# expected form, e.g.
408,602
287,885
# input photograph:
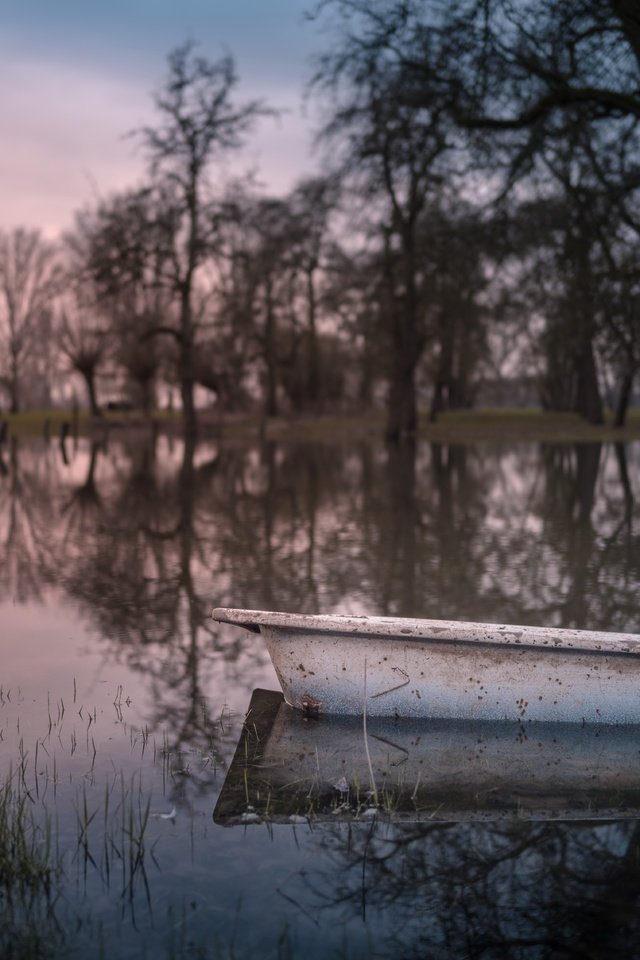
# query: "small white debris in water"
370,812
296,818
250,818
342,785
165,816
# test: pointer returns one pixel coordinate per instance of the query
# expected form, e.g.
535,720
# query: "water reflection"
482,873
148,535
523,890
125,546
144,537
291,768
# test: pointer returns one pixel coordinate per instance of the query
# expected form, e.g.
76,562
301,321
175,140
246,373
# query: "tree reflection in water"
480,890
147,536
144,537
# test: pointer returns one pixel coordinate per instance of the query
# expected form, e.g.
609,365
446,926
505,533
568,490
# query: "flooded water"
122,702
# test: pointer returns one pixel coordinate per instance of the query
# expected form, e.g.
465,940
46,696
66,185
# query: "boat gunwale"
408,630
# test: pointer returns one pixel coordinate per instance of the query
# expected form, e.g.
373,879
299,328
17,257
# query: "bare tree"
546,95
199,122
123,249
395,155
30,279
312,203
261,296
619,320
456,249
85,337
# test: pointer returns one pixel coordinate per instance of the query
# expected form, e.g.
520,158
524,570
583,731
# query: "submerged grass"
35,873
84,826
31,872
29,865
89,866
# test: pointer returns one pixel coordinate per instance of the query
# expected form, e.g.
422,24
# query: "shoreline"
496,426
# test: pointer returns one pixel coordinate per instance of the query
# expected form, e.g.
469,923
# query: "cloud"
76,77
64,130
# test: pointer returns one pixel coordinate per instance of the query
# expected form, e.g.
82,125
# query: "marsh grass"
73,826
81,809
29,863
31,871
86,856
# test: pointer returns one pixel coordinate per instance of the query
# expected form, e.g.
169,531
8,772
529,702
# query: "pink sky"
75,80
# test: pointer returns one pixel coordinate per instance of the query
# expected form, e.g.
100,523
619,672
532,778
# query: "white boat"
287,768
442,669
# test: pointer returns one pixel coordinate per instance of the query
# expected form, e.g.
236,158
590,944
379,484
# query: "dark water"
121,702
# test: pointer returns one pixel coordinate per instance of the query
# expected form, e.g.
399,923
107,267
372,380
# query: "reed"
79,843
27,864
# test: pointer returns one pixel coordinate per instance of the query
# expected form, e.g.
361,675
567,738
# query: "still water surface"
121,702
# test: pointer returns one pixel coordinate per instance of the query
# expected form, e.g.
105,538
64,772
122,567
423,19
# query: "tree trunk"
624,397
625,482
437,400
365,387
587,469
187,375
89,377
588,401
271,399
189,417
312,358
443,386
14,384
402,410
147,395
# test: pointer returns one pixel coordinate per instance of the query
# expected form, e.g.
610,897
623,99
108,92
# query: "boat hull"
443,670
451,681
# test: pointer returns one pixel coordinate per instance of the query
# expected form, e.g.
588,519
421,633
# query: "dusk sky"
77,77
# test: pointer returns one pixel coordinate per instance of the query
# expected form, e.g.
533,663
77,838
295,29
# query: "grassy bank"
508,426
472,426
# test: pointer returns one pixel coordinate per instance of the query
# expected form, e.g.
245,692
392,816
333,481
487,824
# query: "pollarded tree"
30,280
85,339
123,251
352,299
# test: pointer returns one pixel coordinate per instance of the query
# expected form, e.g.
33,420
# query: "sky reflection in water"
121,701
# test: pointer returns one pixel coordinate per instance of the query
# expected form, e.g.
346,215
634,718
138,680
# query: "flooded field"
122,702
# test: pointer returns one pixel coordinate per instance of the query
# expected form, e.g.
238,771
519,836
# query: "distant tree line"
479,215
